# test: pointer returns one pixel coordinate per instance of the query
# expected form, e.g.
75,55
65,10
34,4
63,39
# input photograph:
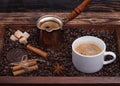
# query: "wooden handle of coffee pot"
77,10
36,50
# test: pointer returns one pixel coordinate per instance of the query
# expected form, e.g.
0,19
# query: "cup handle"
110,61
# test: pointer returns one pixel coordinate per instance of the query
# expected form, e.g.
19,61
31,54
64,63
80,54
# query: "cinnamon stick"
28,63
22,71
36,50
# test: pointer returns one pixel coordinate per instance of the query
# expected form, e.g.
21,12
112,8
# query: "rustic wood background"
57,5
89,18
28,11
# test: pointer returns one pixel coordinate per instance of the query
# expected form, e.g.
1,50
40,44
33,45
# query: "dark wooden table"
84,18
93,18
59,5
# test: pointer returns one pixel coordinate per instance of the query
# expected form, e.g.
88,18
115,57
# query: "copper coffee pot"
51,26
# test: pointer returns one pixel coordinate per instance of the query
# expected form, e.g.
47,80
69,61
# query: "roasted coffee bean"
62,56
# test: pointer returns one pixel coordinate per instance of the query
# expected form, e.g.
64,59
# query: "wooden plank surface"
118,39
2,33
84,18
57,5
60,80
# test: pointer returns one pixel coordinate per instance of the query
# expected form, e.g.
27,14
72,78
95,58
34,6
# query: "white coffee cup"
90,64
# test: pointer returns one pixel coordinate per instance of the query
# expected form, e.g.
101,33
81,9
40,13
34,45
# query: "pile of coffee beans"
61,56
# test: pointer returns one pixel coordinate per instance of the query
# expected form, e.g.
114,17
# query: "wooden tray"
81,78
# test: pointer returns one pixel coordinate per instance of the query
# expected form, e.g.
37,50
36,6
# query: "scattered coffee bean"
62,56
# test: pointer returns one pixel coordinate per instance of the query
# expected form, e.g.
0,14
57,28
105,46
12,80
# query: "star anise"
58,69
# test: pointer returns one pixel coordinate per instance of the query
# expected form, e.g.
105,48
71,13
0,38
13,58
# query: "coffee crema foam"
88,49
49,25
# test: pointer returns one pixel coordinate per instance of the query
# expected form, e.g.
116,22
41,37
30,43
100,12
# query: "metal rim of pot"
48,18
